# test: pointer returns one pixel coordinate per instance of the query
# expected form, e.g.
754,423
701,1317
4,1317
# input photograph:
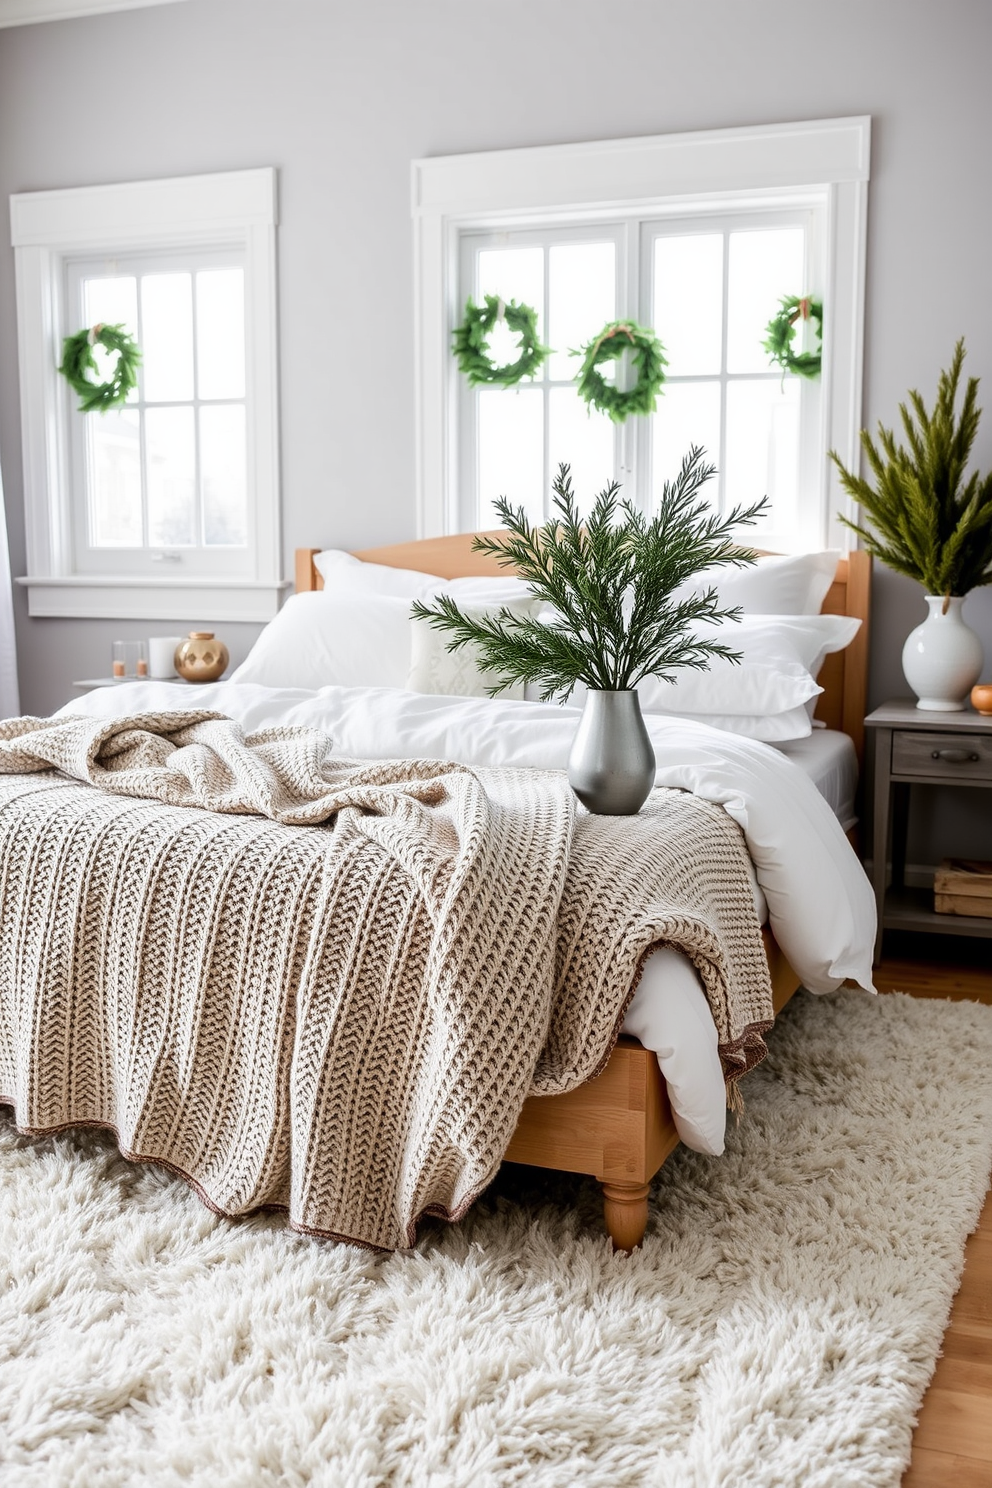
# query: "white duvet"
819,902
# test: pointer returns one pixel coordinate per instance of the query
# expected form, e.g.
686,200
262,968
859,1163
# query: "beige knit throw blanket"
342,1019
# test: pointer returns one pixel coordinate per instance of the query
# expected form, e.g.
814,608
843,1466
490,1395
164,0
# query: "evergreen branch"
612,581
923,516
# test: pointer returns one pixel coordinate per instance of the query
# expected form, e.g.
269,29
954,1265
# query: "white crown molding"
26,12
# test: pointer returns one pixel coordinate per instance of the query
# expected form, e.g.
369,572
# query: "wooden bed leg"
625,1209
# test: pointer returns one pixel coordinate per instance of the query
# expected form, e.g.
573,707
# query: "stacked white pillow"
358,631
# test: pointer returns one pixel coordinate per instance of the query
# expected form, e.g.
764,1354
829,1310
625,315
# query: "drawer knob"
955,756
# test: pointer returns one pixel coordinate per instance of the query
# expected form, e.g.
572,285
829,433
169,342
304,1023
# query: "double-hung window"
696,236
167,506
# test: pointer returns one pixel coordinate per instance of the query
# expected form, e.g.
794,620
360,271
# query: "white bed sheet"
808,882
669,1012
828,758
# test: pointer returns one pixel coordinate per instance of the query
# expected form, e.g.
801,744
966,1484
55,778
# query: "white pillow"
780,657
792,584
771,728
436,670
343,573
491,592
324,638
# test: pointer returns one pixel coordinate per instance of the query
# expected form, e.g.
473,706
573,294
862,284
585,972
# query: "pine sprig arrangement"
930,521
610,579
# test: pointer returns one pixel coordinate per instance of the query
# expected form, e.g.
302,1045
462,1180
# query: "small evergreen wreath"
78,360
471,343
782,330
648,356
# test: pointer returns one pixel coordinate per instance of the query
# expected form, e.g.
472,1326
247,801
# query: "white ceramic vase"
942,658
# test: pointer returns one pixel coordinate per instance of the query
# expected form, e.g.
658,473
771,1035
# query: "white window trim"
187,211
456,192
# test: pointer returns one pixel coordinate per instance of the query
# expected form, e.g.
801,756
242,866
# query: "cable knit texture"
344,1017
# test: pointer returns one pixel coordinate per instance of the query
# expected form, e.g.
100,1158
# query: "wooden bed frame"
619,1126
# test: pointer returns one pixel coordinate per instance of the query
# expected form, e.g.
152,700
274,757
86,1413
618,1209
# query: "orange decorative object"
981,698
201,657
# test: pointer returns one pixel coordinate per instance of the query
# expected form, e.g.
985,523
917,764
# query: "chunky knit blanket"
341,1018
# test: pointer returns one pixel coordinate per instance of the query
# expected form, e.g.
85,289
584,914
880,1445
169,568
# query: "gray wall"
341,97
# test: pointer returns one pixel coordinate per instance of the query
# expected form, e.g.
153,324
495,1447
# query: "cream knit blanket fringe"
343,1019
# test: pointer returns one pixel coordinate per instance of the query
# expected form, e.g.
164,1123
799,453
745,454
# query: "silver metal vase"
611,766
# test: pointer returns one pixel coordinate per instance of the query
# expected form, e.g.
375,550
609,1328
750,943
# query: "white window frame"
823,164
51,229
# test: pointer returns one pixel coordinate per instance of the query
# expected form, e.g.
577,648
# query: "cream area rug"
778,1328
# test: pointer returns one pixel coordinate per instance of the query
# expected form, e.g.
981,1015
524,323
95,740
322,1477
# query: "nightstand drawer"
947,756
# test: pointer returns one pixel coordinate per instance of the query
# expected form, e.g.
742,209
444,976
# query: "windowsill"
105,597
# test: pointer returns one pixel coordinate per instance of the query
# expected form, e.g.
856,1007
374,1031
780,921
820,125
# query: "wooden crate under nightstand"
963,886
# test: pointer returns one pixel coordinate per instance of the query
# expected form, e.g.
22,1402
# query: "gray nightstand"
907,746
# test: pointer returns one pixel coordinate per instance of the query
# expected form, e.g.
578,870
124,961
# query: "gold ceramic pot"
981,698
201,657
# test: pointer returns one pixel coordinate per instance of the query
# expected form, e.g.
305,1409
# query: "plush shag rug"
778,1328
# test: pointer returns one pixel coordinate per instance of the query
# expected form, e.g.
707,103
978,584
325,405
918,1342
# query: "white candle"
161,655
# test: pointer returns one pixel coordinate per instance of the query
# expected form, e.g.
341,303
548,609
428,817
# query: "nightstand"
907,746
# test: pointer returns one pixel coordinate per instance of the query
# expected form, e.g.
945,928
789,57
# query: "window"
166,507
696,235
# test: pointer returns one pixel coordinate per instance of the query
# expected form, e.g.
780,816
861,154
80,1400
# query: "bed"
210,923
619,1127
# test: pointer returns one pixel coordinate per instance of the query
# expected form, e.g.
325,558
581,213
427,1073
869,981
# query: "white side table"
87,684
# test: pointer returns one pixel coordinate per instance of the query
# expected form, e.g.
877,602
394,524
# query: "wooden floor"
952,1444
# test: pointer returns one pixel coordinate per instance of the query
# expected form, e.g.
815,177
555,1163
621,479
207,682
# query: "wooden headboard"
843,677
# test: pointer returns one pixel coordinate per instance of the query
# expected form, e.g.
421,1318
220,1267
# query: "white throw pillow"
325,638
791,584
436,670
343,573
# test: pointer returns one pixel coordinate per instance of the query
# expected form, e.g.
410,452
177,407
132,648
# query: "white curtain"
10,705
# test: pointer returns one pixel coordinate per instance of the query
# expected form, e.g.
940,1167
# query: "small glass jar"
118,660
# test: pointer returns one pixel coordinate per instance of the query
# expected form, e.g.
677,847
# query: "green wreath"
471,343
649,358
78,361
782,330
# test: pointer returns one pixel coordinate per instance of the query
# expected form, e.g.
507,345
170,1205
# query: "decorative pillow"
790,584
325,638
436,670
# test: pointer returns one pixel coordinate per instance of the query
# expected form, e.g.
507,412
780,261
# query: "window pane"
582,439
170,452
514,274
763,450
511,450
167,336
688,302
113,451
764,266
688,413
223,473
220,333
111,302
583,297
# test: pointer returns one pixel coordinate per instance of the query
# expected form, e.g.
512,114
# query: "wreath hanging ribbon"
781,332
471,343
648,356
78,362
